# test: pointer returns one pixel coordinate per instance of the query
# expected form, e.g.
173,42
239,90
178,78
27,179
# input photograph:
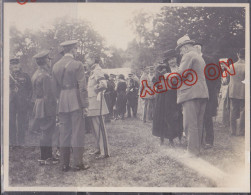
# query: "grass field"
137,160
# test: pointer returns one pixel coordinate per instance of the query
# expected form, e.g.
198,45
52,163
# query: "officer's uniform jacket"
192,60
69,84
20,89
96,85
45,103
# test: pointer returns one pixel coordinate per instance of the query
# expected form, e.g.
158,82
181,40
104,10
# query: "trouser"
193,115
18,123
237,111
71,135
47,126
209,129
132,104
100,134
148,109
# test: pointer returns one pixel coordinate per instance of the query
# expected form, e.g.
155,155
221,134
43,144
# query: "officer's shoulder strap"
66,65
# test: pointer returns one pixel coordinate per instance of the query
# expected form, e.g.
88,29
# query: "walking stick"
100,116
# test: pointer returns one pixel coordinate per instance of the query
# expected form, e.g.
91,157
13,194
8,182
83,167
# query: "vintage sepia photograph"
126,97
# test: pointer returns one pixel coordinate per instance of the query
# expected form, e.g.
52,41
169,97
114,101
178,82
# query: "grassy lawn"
137,160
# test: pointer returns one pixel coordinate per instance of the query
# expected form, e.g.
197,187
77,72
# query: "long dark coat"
167,119
213,89
121,97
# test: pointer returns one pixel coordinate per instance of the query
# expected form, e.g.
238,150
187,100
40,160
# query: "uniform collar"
44,68
69,54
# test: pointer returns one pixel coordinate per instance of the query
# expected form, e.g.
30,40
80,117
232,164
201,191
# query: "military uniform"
98,108
70,88
44,110
132,96
20,95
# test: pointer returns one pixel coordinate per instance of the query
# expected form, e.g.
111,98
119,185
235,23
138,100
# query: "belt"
67,87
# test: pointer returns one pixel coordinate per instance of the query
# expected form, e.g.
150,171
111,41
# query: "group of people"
189,110
65,94
71,99
62,94
121,96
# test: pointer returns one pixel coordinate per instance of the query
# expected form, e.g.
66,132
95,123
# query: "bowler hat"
183,41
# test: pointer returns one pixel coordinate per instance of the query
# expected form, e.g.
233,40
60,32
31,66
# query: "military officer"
20,96
97,106
45,106
132,96
71,92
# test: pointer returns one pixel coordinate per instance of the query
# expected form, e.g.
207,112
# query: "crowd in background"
68,97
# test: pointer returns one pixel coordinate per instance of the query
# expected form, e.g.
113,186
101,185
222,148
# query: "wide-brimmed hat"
169,54
197,43
183,41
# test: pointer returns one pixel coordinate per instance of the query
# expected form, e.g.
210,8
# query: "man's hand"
85,112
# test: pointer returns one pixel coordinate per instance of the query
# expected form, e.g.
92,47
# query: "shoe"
43,162
66,168
53,160
171,143
102,157
57,153
80,168
208,146
97,152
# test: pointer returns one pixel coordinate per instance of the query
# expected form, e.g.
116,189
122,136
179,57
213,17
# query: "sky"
110,20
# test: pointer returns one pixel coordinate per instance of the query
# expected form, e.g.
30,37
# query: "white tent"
118,71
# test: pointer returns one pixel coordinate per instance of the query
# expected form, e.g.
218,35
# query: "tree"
221,30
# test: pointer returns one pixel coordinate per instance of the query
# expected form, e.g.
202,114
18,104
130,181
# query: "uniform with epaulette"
20,95
69,83
44,110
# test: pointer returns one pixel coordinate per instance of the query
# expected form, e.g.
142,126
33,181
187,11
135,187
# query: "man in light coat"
71,91
237,96
97,84
192,97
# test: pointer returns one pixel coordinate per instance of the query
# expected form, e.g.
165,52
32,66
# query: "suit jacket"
192,60
236,87
45,103
69,84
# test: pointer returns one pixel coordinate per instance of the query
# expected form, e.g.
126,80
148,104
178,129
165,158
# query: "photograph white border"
6,186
